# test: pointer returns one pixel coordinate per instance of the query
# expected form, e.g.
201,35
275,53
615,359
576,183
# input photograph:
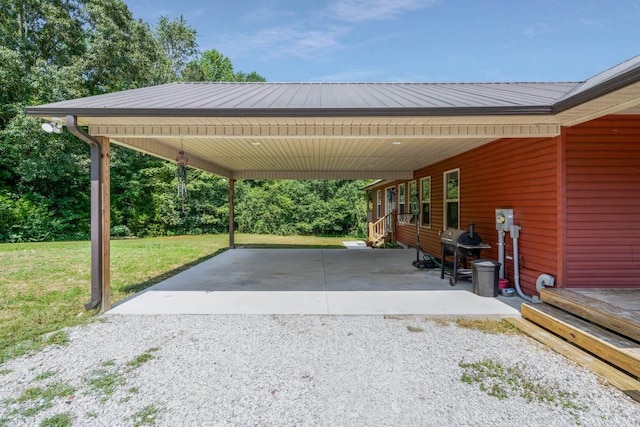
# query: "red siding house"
576,197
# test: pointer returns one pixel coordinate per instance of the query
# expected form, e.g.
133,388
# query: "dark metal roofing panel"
341,99
390,97
608,81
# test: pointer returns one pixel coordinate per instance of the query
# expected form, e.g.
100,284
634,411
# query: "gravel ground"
301,370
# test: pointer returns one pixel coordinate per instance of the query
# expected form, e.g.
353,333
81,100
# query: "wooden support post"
100,216
105,226
232,243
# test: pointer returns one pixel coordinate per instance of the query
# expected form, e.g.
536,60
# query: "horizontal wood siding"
520,174
603,203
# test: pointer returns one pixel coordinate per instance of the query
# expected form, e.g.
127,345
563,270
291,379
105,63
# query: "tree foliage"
213,66
178,41
52,50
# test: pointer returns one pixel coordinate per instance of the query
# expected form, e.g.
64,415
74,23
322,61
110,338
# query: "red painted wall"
603,203
576,197
520,174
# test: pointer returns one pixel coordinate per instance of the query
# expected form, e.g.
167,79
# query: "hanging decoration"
181,174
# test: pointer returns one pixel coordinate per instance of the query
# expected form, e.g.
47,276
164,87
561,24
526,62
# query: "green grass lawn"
43,286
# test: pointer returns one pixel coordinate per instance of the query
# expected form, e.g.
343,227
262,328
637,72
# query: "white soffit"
305,130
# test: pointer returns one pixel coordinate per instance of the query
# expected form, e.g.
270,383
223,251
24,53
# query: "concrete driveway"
314,281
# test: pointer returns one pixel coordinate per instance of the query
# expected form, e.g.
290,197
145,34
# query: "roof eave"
374,184
608,86
44,111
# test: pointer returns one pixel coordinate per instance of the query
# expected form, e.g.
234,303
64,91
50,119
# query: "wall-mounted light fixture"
54,126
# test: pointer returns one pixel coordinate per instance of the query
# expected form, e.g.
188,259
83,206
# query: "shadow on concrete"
138,287
308,270
285,246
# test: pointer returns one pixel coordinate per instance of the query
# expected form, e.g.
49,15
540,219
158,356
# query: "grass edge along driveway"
44,285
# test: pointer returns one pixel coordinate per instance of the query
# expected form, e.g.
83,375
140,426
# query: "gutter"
43,111
96,212
608,86
373,184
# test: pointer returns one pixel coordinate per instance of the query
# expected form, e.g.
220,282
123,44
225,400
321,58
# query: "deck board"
626,298
600,306
618,350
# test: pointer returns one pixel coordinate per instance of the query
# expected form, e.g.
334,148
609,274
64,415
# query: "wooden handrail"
378,229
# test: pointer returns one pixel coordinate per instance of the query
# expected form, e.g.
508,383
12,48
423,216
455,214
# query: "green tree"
213,66
51,50
329,207
178,41
121,52
250,77
54,50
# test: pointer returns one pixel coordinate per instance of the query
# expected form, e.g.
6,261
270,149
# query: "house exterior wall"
603,203
520,174
576,197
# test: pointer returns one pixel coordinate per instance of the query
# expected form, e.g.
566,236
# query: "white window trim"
378,204
445,200
404,218
386,199
422,180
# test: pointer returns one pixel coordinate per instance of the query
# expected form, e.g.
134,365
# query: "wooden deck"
597,328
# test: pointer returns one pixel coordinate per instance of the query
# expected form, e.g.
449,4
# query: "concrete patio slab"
313,281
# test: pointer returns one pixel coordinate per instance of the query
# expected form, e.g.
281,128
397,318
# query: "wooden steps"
623,321
615,349
613,376
591,325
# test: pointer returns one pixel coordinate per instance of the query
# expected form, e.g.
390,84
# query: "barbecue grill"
462,244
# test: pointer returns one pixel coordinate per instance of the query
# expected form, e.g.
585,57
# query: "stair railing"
378,230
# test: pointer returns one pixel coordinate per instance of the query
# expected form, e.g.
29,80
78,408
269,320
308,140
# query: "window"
401,199
379,204
452,199
413,200
425,202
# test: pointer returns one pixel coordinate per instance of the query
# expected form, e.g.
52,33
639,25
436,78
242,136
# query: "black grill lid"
456,237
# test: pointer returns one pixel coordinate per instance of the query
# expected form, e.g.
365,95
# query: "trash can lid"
487,263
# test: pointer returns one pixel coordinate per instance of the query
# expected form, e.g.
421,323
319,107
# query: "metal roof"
341,130
313,99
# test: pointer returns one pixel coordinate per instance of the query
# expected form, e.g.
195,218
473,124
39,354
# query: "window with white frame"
404,215
401,199
425,202
452,199
379,204
413,200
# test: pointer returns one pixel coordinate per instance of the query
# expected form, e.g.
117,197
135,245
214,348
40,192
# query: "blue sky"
412,40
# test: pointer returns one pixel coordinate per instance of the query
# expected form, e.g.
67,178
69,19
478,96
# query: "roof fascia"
43,111
605,87
374,184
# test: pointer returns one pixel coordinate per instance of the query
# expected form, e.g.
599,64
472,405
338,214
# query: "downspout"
96,212
232,239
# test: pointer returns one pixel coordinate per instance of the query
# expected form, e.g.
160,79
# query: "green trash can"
484,277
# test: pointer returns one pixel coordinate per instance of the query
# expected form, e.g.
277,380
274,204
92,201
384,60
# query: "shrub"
120,231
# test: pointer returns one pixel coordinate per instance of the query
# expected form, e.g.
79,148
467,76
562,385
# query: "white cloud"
537,30
313,35
286,41
374,10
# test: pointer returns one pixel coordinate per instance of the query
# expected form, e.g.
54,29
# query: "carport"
313,282
307,131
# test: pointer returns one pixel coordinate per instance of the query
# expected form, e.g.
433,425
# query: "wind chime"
181,174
